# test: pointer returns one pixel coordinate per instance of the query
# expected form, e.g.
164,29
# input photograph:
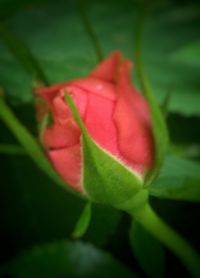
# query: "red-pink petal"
60,136
99,122
49,93
80,98
134,137
61,111
67,163
97,87
106,70
133,125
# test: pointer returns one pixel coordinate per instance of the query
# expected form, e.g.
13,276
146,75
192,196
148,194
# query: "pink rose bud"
115,114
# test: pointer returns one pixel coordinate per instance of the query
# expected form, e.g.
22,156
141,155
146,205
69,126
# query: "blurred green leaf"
66,259
22,53
66,58
189,54
10,7
179,179
83,7
148,251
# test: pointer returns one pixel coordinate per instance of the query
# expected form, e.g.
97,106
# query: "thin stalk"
22,53
137,53
90,30
159,127
28,142
171,239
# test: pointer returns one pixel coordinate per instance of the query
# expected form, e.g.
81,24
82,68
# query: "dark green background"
33,210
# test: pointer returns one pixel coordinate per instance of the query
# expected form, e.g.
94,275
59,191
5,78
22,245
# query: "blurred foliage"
66,259
34,212
53,33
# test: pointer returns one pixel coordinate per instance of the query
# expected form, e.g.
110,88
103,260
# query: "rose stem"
28,142
146,216
156,226
90,30
22,53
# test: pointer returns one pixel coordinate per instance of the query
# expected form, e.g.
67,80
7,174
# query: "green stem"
22,53
179,246
90,30
137,51
28,142
159,127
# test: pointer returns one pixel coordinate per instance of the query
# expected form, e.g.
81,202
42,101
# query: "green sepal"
105,178
159,127
160,132
83,222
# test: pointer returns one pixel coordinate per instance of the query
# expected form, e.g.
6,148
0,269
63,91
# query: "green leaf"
10,7
66,259
105,179
179,179
148,251
72,55
29,143
89,29
22,53
189,54
83,222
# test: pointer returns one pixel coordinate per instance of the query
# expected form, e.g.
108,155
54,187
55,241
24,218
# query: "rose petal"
79,97
99,122
67,163
106,70
61,111
60,136
49,93
133,125
97,87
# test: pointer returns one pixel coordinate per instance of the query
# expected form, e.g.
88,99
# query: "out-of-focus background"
33,211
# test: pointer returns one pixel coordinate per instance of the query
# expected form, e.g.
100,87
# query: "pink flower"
116,116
